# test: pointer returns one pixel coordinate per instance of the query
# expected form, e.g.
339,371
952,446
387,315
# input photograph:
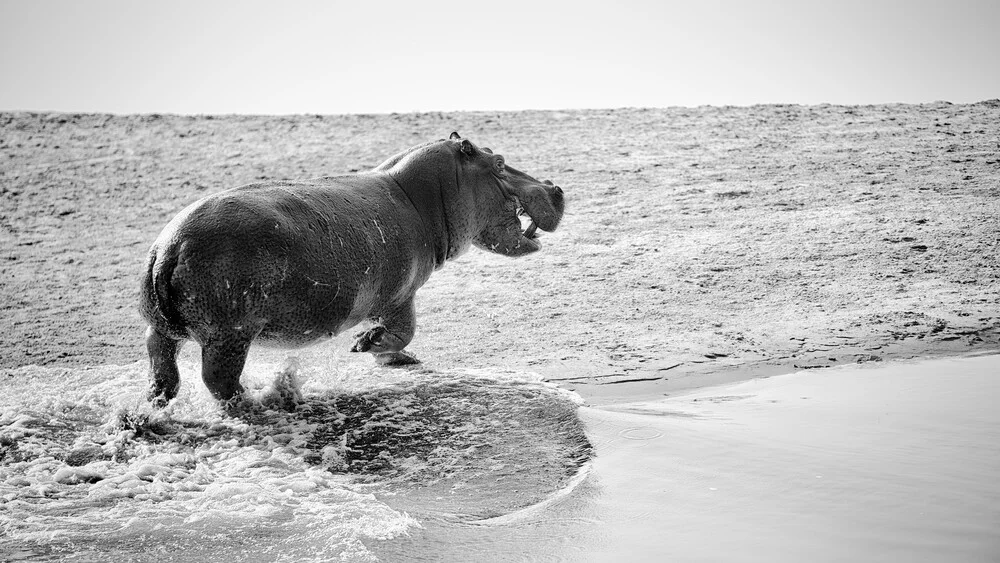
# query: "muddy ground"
700,244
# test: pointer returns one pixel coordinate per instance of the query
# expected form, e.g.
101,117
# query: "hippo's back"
288,262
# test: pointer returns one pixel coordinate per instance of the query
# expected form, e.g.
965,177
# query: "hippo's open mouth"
522,215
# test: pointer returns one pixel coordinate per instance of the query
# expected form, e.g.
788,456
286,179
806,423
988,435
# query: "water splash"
302,470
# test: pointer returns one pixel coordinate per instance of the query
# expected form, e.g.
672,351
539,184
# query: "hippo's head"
497,195
471,196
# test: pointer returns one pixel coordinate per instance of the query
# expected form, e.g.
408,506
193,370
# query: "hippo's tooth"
530,231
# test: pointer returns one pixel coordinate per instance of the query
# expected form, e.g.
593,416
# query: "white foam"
168,490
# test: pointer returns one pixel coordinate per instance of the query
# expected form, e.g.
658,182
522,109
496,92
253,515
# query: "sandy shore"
700,245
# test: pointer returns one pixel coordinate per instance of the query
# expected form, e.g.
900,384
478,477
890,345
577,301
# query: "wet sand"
894,463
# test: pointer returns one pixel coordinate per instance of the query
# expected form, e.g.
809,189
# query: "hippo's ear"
467,147
455,135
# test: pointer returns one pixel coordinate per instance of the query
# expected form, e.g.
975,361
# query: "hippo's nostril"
558,190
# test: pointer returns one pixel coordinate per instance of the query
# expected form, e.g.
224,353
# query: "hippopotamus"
291,263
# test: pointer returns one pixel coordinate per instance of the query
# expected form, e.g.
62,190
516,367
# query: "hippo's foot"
393,359
158,401
378,340
388,336
385,346
371,338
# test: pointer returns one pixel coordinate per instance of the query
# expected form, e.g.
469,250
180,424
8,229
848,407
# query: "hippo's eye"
498,163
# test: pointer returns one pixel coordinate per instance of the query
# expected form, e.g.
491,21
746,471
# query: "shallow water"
894,463
87,471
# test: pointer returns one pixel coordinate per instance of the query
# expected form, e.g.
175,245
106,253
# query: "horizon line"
523,110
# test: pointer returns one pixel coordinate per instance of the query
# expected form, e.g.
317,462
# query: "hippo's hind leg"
166,380
391,333
222,364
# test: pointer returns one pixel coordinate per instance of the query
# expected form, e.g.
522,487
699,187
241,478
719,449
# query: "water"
892,463
88,471
895,463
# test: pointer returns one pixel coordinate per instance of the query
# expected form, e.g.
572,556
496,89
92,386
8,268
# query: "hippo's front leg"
391,333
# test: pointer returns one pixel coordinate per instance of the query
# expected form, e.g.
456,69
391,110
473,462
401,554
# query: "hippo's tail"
156,300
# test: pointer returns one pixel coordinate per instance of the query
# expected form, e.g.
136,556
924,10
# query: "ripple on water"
640,433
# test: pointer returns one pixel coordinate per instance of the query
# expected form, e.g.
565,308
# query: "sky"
383,56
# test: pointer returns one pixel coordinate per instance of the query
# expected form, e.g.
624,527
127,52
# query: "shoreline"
678,379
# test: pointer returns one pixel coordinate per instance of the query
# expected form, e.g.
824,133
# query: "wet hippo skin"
290,263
